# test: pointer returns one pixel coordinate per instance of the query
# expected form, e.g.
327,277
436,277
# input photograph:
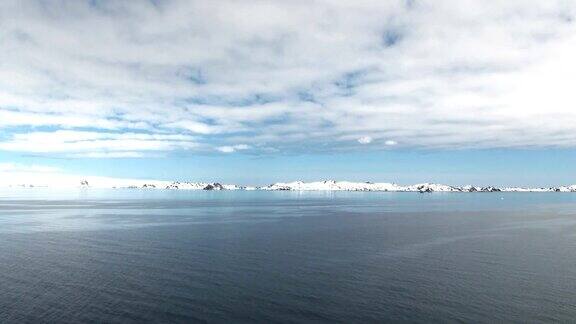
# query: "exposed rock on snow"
201,186
566,189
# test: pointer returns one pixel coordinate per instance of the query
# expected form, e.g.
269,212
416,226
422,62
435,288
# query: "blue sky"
479,167
466,92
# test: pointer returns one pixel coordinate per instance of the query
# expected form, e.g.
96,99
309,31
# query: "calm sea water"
173,256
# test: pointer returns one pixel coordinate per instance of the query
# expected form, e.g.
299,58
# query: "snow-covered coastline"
331,185
328,185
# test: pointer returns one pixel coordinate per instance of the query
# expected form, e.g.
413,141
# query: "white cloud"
95,143
390,143
192,126
108,155
434,74
365,140
232,149
17,118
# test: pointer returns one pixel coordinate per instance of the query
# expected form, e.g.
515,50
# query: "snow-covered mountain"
331,185
56,180
201,186
176,185
328,185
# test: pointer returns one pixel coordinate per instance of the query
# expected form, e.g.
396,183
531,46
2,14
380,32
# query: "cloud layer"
135,78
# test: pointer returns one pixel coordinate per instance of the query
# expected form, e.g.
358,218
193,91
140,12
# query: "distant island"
327,185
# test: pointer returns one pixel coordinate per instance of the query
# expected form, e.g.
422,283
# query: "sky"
259,91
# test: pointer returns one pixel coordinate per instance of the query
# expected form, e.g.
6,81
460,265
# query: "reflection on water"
176,256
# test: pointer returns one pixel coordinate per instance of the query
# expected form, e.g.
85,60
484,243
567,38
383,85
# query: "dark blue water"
172,256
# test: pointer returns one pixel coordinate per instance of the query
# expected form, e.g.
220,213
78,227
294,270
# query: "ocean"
155,256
